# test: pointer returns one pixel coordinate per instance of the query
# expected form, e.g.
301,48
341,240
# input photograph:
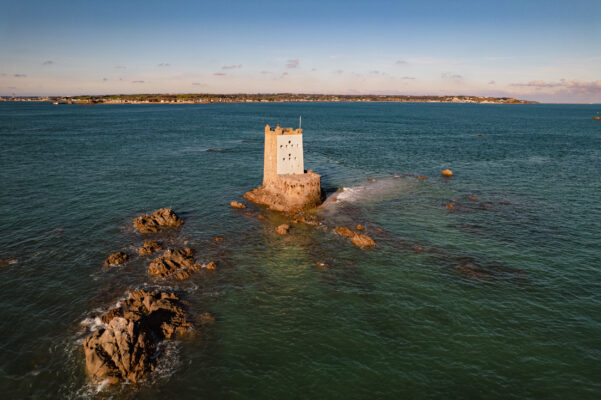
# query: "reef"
294,192
157,221
126,348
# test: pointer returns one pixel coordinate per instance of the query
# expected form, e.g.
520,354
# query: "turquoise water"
499,297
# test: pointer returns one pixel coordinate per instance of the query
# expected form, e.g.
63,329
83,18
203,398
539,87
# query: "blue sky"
539,50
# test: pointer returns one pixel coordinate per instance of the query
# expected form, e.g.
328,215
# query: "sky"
548,51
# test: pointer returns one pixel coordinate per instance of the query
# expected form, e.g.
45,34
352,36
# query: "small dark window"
289,141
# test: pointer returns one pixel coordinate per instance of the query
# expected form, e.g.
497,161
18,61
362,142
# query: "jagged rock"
282,229
149,247
211,266
177,263
359,227
158,220
116,258
289,192
126,347
235,204
362,240
218,239
344,231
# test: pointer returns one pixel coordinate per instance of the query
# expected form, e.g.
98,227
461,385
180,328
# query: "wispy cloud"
163,65
119,67
19,75
313,69
137,81
374,72
400,62
292,63
491,82
48,62
265,72
338,71
219,74
593,87
232,66
449,75
284,74
408,78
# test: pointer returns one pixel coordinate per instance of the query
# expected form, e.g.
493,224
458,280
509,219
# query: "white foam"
381,189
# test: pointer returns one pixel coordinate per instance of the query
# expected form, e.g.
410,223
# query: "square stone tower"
283,153
286,185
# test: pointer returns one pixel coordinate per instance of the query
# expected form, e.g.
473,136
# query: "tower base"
289,192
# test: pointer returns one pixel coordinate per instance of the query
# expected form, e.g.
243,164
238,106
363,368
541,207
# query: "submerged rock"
283,229
116,258
126,348
158,220
149,247
235,204
177,263
362,240
344,231
8,261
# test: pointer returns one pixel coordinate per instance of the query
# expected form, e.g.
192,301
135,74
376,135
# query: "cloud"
104,79
448,75
137,81
400,62
571,87
408,78
491,82
313,69
265,72
292,63
119,67
284,74
338,71
374,72
19,75
48,62
231,66
219,74
163,65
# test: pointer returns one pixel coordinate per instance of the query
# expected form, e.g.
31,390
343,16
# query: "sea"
486,285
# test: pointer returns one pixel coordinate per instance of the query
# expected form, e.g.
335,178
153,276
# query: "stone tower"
286,185
283,153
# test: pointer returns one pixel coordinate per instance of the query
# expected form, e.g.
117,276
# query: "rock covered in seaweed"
116,258
157,221
176,263
126,347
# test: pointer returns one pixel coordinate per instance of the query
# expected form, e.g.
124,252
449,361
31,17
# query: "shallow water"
498,297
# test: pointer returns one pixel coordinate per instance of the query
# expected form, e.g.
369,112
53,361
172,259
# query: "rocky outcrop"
157,221
283,229
116,258
235,204
177,263
149,247
126,347
289,192
211,266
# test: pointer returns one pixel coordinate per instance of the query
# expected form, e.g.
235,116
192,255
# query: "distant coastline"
260,98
